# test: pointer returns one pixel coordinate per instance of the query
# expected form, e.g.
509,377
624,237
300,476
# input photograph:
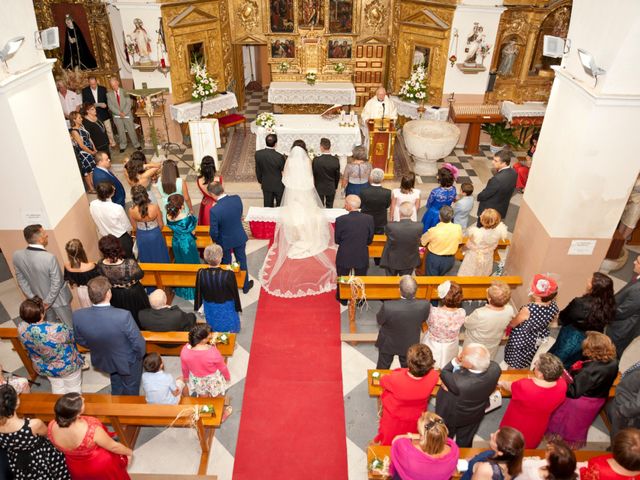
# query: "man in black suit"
269,166
401,253
626,323
164,318
500,187
326,173
400,324
467,383
96,94
353,234
376,200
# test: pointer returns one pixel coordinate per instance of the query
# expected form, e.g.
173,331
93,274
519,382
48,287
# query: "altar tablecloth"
189,111
324,93
262,221
527,109
410,110
310,128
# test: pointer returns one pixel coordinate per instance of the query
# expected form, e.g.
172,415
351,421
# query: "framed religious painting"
340,16
338,48
420,57
283,48
311,14
281,16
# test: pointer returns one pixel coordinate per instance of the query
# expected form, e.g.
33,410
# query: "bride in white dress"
301,260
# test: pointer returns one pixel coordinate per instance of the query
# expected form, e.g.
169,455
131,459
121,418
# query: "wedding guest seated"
481,243
88,449
401,253
217,290
376,200
442,242
51,348
486,325
507,450
164,318
559,464
78,270
427,455
406,393
159,386
356,174
110,218
622,463
624,410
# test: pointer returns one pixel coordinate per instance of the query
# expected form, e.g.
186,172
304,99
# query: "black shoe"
248,286
122,150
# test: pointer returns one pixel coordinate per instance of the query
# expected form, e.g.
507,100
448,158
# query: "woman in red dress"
533,400
405,394
88,449
207,175
622,464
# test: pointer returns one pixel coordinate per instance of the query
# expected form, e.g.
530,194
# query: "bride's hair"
301,144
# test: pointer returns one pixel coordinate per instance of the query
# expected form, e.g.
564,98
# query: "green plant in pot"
501,135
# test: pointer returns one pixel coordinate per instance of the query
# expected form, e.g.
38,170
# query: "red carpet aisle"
292,423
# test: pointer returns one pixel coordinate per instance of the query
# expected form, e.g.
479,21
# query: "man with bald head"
164,318
378,106
353,234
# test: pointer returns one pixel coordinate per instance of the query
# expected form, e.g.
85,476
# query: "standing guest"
376,200
110,218
51,348
589,391
442,242
401,253
169,184
226,229
119,103
97,95
138,172
624,410
590,312
443,195
88,448
102,173
146,219
31,455
38,274
183,243
269,166
96,128
531,324
626,324
444,322
405,394
533,400
84,148
205,178
522,168
507,450
326,173
164,318
500,187
427,455
217,290
470,379
112,336
463,205
559,464
69,99
482,242
353,234
125,275
400,323
622,463
356,174
159,387
486,325
406,193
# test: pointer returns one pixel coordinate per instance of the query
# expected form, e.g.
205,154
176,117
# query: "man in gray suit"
119,104
38,274
401,254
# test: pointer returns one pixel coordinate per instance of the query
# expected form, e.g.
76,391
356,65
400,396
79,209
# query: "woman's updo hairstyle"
8,401
140,199
67,409
174,205
198,333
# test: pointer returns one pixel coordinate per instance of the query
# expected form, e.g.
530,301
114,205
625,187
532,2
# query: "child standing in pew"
159,386
463,205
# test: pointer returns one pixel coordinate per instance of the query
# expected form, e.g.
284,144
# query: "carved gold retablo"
375,13
247,13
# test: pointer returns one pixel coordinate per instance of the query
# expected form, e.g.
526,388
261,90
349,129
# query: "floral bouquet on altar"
414,89
266,120
339,67
284,67
311,77
203,86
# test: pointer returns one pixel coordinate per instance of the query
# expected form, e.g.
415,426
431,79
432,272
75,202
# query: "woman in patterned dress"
84,148
478,257
443,195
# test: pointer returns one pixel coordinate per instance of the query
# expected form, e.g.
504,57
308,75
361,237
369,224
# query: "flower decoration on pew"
223,338
380,467
311,78
266,120
203,86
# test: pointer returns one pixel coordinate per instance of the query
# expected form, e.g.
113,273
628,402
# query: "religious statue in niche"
281,15
310,14
77,53
508,58
420,58
474,44
340,48
340,16
140,43
283,48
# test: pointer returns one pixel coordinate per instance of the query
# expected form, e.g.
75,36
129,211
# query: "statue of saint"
473,56
509,54
76,51
141,41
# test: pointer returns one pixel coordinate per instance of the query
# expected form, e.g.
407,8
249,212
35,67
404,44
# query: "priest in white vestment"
375,108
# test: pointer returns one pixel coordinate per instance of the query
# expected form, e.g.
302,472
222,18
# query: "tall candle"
342,116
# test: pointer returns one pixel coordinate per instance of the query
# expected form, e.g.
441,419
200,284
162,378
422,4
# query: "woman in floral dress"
203,366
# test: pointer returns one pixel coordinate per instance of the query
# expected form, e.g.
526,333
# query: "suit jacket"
225,219
170,319
497,193
468,394
87,97
112,336
100,175
376,202
353,233
626,323
269,166
326,174
400,324
38,273
403,241
125,103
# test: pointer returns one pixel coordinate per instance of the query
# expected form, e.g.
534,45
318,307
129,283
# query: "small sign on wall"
581,247
31,217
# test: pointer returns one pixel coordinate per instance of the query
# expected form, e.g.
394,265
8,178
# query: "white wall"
17,19
118,40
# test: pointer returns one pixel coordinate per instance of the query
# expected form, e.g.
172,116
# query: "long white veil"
301,260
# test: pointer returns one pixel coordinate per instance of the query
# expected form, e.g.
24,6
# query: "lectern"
475,116
382,139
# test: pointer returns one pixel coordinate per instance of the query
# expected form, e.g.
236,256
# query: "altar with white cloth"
323,93
262,220
410,110
189,111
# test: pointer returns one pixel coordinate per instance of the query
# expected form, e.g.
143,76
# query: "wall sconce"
10,48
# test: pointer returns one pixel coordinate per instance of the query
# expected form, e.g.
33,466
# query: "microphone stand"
382,119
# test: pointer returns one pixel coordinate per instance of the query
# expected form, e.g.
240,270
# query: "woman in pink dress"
533,400
88,448
207,176
405,394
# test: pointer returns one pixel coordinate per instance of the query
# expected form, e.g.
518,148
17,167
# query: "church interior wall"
125,71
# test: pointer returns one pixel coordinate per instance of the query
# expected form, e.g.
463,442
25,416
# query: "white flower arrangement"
340,67
415,87
284,67
204,86
311,77
311,154
266,120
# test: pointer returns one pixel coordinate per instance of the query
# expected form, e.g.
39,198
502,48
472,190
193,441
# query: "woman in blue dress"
147,221
84,149
184,241
217,290
443,195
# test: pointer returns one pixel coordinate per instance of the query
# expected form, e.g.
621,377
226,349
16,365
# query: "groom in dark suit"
497,194
269,166
326,173
225,220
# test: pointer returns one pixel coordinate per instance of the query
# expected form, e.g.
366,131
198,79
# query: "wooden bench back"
201,232
163,275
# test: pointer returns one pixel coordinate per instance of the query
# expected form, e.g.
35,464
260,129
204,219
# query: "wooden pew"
163,275
126,414
201,232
